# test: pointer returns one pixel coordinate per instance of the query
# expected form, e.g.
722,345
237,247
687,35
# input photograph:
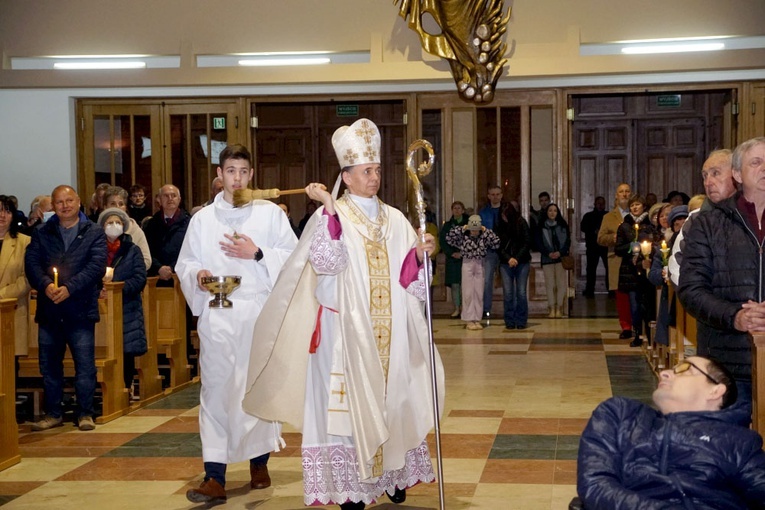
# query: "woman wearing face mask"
125,264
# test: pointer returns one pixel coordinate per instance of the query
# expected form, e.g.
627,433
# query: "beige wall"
543,38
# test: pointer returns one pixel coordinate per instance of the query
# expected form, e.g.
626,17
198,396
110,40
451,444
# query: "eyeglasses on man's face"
686,365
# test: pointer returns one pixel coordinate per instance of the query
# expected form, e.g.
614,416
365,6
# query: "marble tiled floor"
516,403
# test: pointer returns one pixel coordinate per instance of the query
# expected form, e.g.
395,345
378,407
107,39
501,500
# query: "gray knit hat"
113,211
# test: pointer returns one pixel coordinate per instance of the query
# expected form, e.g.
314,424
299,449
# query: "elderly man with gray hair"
718,185
721,278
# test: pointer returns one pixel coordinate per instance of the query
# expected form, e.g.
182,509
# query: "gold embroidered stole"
380,306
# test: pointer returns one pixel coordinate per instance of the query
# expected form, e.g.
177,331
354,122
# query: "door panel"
671,151
284,157
195,134
121,145
602,159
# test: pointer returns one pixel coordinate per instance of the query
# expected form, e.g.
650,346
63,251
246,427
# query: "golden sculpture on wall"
470,39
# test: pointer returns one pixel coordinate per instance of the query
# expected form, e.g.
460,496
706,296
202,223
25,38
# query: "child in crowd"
473,240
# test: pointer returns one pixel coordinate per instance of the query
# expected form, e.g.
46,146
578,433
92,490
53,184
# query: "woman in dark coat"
633,280
453,276
514,265
554,241
125,264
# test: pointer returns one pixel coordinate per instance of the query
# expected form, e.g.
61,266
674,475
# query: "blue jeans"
490,263
53,339
514,283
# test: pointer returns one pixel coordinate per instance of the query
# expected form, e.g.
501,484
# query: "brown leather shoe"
210,491
259,478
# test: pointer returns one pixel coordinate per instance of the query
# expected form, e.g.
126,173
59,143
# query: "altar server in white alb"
348,360
252,242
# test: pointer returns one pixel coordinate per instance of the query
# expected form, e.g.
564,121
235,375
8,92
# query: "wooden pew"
108,354
171,334
149,380
685,328
9,431
758,382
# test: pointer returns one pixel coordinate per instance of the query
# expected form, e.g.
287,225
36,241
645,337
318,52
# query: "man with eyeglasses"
696,451
138,208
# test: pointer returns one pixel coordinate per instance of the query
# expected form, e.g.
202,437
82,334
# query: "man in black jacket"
590,226
65,262
721,273
164,233
696,451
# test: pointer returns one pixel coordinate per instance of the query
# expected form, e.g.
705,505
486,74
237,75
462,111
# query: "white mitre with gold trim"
357,144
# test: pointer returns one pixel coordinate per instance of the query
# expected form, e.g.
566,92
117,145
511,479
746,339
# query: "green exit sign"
668,100
347,110
219,122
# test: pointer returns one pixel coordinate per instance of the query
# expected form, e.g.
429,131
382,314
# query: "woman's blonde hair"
695,202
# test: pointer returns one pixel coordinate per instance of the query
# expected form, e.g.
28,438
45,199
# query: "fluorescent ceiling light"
304,61
96,62
127,64
671,48
290,58
672,45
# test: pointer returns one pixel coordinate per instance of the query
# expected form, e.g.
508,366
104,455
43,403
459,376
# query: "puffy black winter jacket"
722,268
129,268
80,269
634,457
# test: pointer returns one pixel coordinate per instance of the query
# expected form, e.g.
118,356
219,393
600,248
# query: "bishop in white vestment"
341,349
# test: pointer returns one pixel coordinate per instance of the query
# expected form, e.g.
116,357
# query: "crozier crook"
414,174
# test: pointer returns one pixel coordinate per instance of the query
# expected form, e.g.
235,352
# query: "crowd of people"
328,332
495,245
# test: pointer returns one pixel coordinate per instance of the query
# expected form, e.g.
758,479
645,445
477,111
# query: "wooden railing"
149,380
171,333
9,431
758,382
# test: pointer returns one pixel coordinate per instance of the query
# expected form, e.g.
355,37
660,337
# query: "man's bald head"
169,199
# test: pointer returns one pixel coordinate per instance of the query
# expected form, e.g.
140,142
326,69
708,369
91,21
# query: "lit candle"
645,248
637,229
55,277
664,253
663,244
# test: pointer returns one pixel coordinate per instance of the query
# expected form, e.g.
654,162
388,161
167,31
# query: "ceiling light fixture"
672,45
304,61
133,64
96,62
287,58
672,48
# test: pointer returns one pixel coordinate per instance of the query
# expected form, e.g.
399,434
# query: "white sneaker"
48,422
455,313
86,423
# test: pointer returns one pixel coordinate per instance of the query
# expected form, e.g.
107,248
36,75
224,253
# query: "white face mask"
113,230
